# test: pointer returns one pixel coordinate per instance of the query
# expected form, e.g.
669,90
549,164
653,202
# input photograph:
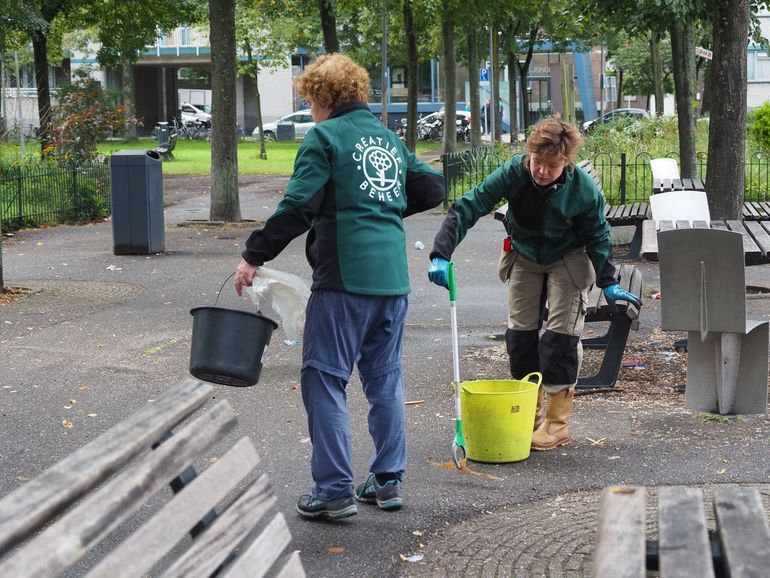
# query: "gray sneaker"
310,507
387,496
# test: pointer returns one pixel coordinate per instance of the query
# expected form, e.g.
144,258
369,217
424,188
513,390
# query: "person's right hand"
244,273
438,272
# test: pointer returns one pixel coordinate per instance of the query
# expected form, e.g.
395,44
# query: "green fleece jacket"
354,182
544,223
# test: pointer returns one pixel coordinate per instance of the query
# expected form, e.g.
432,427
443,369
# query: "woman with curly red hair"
354,182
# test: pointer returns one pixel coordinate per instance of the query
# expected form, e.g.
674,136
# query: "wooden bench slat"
750,247
760,235
145,547
620,547
28,508
209,549
293,567
263,552
743,531
683,542
69,538
649,240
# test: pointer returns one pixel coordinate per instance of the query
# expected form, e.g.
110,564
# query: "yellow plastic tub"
498,416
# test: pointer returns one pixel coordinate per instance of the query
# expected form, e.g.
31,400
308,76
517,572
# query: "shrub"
759,126
85,115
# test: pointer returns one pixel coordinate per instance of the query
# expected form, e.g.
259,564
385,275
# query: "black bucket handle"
230,276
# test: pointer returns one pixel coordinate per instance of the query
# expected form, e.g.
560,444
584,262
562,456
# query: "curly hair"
552,138
332,80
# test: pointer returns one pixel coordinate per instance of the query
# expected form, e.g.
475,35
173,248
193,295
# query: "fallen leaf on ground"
412,558
417,533
464,468
67,423
414,402
336,549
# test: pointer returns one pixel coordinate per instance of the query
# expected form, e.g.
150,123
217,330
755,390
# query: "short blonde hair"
332,80
554,139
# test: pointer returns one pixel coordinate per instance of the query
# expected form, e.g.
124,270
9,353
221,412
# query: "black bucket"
228,345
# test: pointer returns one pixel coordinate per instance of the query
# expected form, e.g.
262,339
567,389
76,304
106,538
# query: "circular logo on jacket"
380,168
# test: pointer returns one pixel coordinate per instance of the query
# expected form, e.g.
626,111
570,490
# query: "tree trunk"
657,73
40,50
494,80
254,66
619,81
523,72
128,101
512,113
472,41
706,105
411,76
225,204
449,66
329,26
726,178
683,55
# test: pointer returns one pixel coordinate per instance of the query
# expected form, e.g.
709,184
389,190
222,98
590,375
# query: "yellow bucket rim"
526,379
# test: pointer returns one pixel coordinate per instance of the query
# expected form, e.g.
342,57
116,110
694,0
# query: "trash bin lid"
133,157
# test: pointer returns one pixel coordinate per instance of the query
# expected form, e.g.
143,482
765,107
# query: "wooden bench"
738,546
69,511
166,150
631,214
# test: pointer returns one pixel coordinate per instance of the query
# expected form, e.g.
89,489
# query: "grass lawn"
193,157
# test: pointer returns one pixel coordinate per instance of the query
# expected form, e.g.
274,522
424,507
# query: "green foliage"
759,126
84,116
633,57
721,419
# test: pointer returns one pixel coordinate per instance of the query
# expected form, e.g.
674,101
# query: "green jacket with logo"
354,182
544,223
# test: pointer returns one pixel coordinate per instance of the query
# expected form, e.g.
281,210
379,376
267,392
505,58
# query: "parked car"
615,114
191,113
301,119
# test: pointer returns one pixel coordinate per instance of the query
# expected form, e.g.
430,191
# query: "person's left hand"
614,292
244,273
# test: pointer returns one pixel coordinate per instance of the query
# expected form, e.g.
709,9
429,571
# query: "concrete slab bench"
216,522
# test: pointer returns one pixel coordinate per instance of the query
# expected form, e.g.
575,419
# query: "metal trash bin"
164,134
136,184
284,131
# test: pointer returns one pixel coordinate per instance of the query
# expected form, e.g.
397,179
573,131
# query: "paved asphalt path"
104,334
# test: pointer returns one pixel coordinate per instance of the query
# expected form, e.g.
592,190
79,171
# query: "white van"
201,113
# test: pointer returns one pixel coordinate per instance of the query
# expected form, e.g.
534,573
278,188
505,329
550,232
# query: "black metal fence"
48,194
627,179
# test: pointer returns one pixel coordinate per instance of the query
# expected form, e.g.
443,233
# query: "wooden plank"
750,248
209,549
766,208
263,551
594,297
760,236
743,531
27,509
147,545
292,568
700,225
649,241
666,225
719,225
748,207
683,542
620,538
500,212
683,224
63,543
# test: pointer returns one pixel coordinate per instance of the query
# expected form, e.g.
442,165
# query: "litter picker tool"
458,445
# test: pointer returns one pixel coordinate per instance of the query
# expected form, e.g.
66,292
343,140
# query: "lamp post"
492,105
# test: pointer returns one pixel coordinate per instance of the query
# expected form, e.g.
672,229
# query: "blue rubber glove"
438,272
613,292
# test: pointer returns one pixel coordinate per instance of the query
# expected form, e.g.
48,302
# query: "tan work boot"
540,410
554,431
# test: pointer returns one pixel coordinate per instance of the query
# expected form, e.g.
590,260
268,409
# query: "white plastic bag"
287,294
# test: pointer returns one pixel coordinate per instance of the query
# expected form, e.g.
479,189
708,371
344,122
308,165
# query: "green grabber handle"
458,445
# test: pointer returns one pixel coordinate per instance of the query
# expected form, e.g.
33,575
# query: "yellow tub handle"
537,375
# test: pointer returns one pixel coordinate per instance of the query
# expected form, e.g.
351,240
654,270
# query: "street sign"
704,52
483,75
